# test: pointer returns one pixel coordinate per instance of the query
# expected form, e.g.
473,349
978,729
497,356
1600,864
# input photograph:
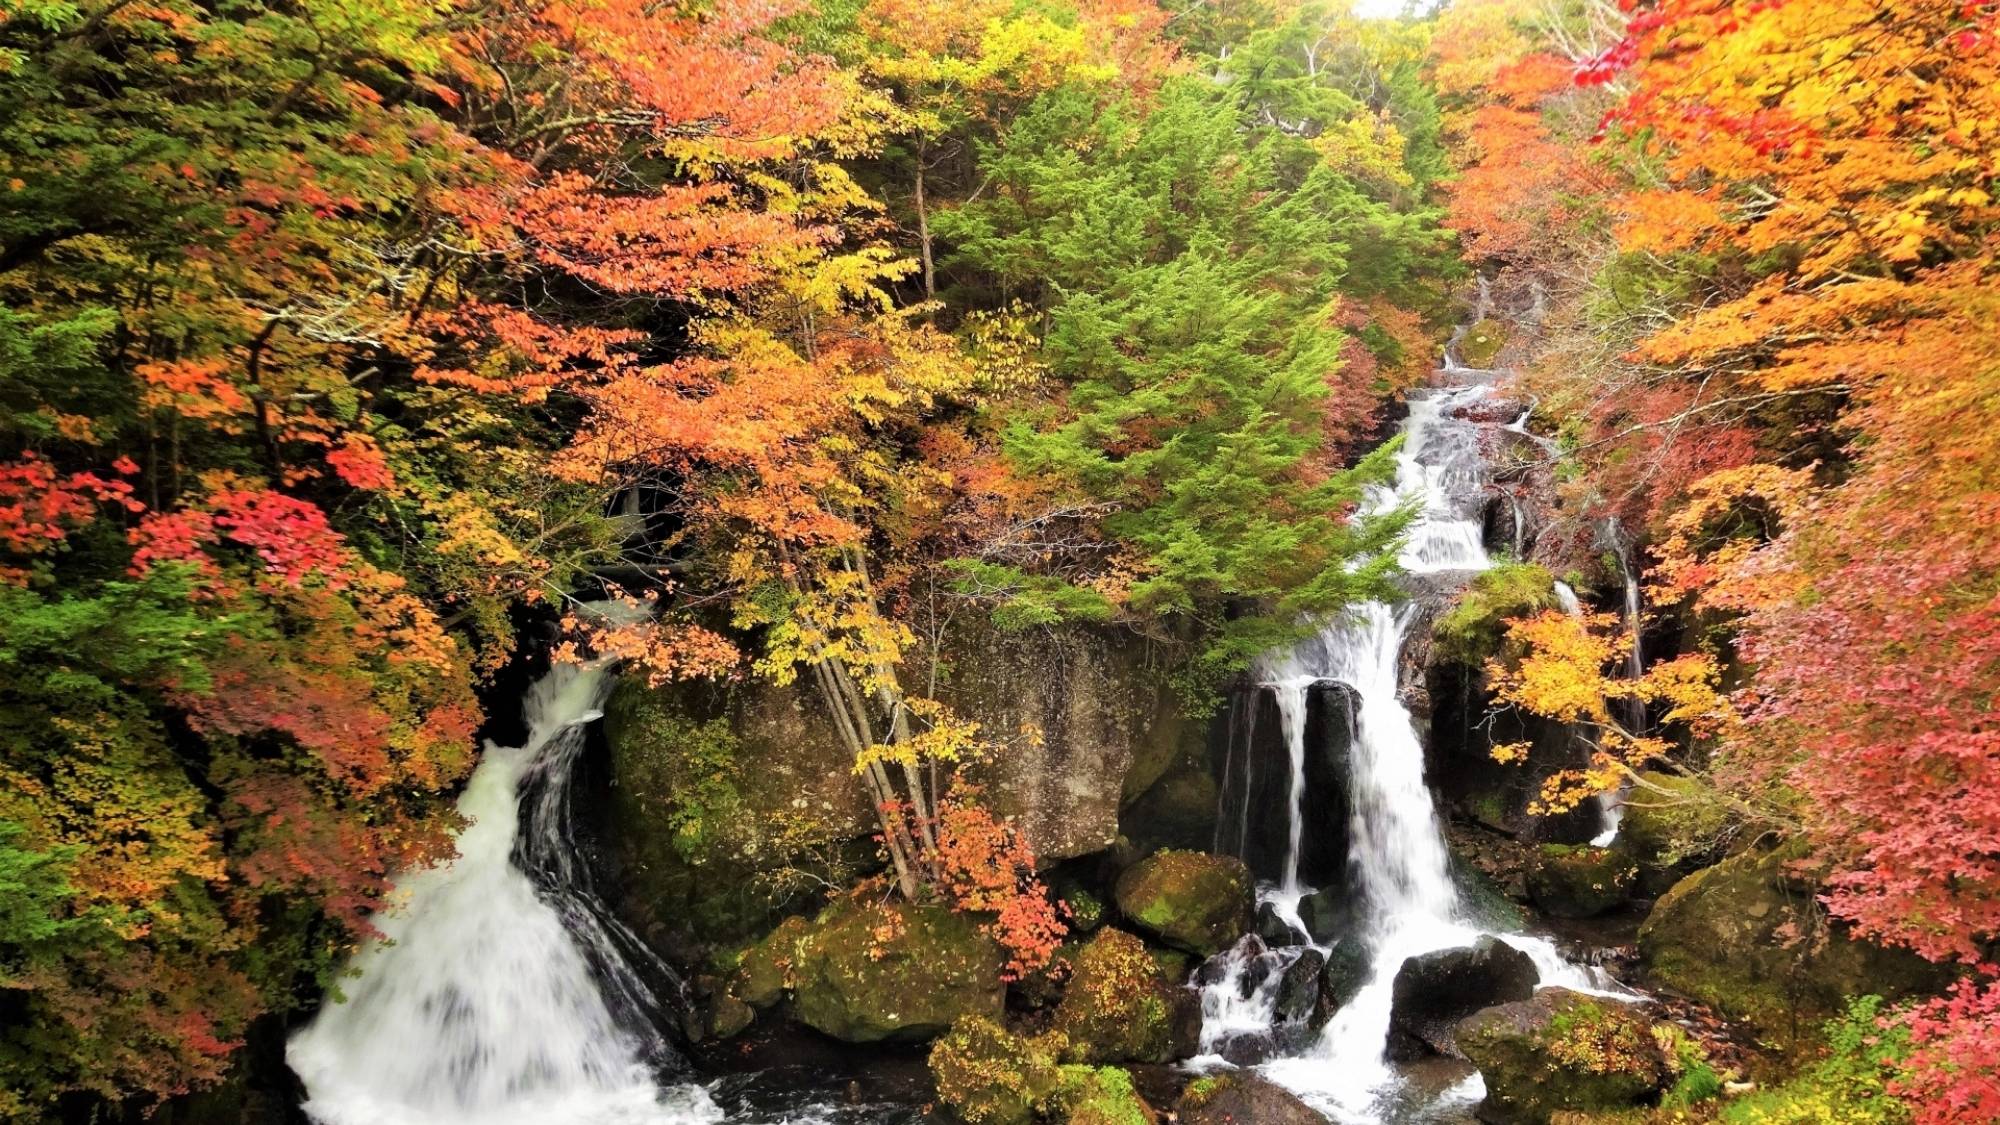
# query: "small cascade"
485,999
1612,805
1399,877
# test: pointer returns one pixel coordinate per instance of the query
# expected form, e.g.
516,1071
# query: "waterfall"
486,1000
1399,869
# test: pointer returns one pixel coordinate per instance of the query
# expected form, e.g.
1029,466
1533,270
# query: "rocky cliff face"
729,803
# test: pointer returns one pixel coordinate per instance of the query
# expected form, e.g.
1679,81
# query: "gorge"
999,562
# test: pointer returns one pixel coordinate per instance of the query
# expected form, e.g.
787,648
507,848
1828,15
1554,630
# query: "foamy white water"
478,1005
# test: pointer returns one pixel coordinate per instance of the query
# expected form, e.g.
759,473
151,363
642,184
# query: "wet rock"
1580,881
1433,991
1346,971
1563,1051
1297,991
1118,1006
727,1017
865,972
1327,914
1275,930
1747,938
1241,1098
1189,900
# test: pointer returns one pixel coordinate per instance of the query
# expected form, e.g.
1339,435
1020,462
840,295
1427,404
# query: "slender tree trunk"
924,232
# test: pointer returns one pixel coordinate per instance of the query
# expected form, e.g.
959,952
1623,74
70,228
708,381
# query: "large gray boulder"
1433,991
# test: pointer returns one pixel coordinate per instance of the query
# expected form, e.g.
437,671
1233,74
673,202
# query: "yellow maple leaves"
1561,667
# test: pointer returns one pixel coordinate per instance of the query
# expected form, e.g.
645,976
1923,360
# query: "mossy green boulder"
1563,1051
866,971
1100,1095
1673,826
991,1076
1748,938
1118,1006
1580,881
764,968
1190,900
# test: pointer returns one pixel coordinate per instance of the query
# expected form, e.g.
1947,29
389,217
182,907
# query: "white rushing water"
480,1004
1398,866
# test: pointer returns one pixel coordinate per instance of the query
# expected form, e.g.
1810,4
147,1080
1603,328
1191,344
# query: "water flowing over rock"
488,1000
1397,873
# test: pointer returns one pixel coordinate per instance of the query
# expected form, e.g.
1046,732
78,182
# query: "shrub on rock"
1101,1095
1189,900
1118,1006
991,1076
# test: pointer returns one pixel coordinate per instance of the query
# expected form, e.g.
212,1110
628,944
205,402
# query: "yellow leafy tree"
1563,667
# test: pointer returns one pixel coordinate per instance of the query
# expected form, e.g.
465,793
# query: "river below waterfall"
500,991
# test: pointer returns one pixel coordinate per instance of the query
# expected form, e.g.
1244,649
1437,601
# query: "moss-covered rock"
1189,900
726,810
1748,938
1481,343
1580,881
991,1076
1562,1050
1118,1006
764,968
1472,629
1673,826
1242,1098
1101,1095
865,972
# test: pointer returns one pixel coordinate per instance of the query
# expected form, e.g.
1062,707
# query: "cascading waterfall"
1399,867
488,1001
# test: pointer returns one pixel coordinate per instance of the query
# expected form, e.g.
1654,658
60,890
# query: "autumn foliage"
1798,256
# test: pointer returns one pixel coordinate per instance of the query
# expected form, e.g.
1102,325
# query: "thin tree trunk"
924,232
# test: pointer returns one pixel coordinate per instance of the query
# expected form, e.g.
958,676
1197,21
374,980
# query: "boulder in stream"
1328,914
1346,972
1564,1051
1242,1098
1433,991
1189,900
1118,1006
865,972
